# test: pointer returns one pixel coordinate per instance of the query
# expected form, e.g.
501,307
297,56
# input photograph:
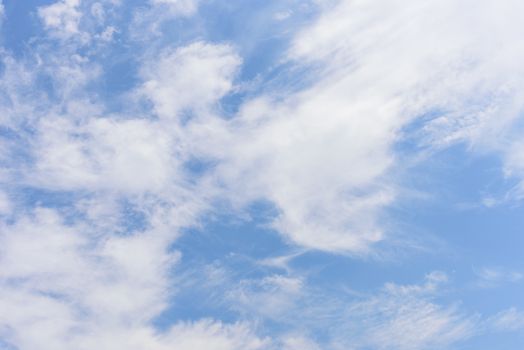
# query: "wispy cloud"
507,320
405,317
496,276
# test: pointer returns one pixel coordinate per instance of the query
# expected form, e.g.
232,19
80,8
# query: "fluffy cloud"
321,175
325,155
189,78
66,286
76,278
132,156
80,22
63,17
84,274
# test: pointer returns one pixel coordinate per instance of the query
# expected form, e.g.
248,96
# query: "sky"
261,175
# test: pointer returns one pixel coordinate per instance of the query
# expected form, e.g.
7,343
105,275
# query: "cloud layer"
101,178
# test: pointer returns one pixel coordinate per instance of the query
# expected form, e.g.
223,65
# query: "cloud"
507,321
96,268
297,342
76,279
270,297
394,317
79,23
190,78
66,286
108,33
323,154
204,333
148,21
5,204
514,167
323,187
63,17
131,156
326,154
405,317
495,276
179,7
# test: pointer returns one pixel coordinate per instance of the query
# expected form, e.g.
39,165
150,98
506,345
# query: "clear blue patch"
20,24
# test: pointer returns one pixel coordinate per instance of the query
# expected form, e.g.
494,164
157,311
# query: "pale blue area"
21,24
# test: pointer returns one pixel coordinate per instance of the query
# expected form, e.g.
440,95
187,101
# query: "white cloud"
108,33
66,286
78,277
507,321
98,12
271,297
130,156
148,21
5,204
283,15
316,160
179,7
78,22
396,317
16,78
62,16
193,77
204,334
514,166
77,150
495,276
325,155
297,342
405,317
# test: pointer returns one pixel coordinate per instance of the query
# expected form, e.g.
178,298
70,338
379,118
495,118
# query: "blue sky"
296,175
